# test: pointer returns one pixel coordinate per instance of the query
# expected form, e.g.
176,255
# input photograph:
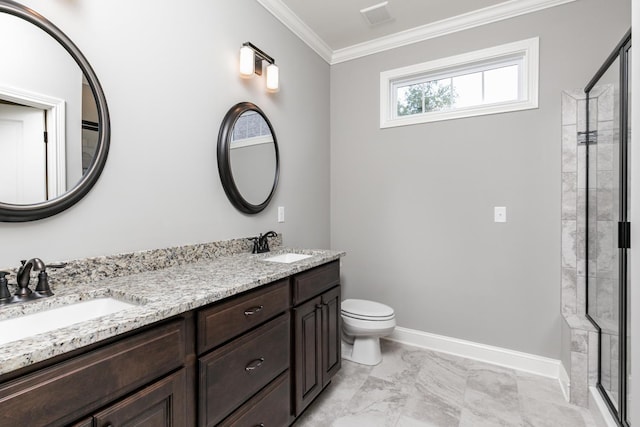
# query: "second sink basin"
287,258
21,327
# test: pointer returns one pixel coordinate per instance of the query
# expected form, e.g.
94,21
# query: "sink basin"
21,327
287,258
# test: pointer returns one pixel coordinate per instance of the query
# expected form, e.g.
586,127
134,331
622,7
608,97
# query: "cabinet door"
308,353
161,404
331,334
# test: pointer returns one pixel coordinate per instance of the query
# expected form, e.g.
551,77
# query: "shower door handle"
624,235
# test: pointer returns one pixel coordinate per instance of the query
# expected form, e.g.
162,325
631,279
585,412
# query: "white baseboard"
531,363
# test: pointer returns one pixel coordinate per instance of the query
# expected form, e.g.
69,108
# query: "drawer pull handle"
253,310
254,364
260,425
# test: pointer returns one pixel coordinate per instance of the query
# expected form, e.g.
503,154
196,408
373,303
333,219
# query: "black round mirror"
54,120
248,159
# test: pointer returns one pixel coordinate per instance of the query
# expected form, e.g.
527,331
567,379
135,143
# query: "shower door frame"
621,52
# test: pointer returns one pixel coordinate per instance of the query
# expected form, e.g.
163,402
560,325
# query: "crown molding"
476,18
298,27
487,15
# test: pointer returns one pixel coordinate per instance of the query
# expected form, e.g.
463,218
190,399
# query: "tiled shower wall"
581,346
603,289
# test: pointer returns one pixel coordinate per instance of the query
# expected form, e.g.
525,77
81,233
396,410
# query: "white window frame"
523,52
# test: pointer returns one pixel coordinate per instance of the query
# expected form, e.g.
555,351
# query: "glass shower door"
602,217
606,231
627,390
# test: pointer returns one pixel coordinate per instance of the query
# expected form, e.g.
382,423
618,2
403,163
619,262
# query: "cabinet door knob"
253,310
259,425
254,364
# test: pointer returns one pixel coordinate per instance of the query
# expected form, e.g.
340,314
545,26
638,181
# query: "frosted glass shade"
273,76
247,63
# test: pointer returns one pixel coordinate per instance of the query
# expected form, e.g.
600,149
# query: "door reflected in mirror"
49,125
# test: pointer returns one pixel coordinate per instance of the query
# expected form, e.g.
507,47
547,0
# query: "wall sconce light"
251,59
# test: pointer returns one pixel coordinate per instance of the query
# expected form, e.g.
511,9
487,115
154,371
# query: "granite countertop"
157,295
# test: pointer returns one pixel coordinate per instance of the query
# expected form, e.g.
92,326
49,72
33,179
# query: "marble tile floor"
414,387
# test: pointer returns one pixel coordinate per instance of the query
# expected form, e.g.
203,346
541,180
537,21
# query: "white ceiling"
338,32
340,24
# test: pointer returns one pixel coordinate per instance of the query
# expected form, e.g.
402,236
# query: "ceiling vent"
376,14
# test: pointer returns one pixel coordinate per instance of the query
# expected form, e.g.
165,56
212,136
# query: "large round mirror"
54,121
248,160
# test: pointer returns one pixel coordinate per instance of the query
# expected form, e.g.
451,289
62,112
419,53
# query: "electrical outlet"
500,214
280,213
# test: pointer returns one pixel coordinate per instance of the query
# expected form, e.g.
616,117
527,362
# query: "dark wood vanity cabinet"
84,385
257,358
317,347
244,367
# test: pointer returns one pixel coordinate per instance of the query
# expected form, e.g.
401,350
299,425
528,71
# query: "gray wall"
169,72
413,206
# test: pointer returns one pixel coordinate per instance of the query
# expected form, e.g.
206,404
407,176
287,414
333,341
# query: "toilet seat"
366,310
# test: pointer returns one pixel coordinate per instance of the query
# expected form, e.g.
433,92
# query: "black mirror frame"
22,213
224,164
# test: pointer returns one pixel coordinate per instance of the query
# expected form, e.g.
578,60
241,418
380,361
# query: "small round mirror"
248,160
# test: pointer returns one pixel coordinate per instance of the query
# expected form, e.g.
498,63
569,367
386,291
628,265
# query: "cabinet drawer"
271,407
71,389
236,371
227,320
313,282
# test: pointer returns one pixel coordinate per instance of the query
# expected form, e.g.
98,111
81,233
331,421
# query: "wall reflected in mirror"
42,92
252,156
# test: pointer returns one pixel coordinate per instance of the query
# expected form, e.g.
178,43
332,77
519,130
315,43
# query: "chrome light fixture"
251,60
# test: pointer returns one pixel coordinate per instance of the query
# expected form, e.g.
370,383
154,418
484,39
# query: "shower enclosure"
606,176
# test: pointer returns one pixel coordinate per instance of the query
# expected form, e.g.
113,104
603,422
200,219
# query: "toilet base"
364,350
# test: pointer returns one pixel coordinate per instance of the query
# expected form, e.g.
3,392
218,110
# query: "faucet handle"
5,295
42,288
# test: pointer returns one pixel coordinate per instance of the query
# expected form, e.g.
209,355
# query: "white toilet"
363,323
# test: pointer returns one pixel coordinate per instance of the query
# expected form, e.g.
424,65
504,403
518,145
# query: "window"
495,80
250,129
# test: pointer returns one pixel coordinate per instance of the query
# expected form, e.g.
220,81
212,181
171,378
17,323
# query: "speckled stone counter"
157,294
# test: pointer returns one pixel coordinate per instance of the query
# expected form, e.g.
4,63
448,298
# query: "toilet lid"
363,309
